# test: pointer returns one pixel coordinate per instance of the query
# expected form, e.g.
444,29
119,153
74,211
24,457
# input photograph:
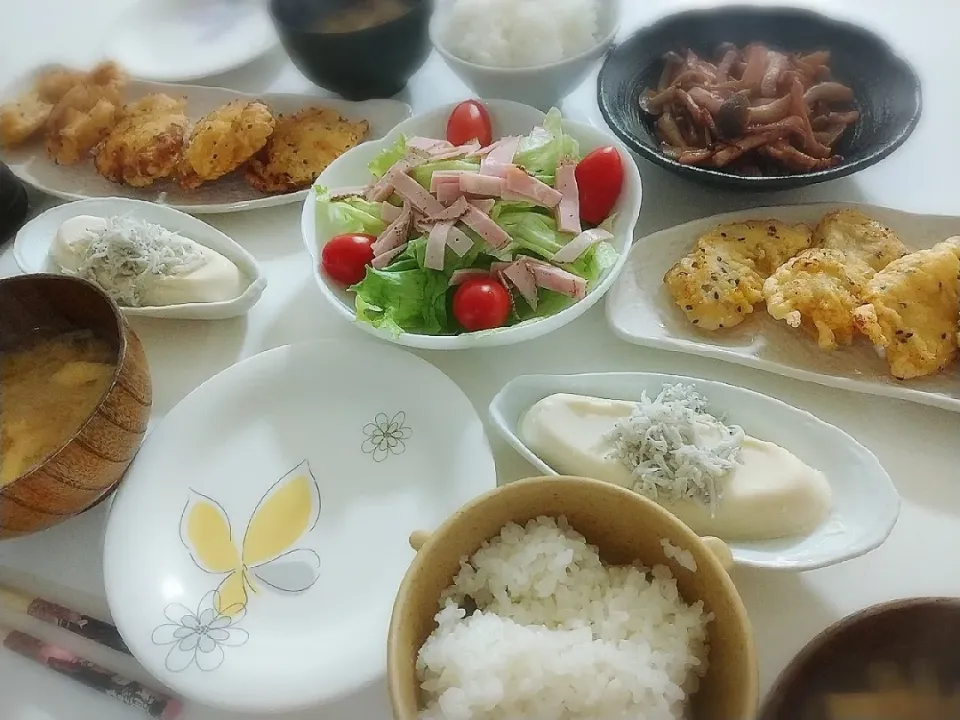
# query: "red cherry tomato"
481,304
345,257
469,121
600,181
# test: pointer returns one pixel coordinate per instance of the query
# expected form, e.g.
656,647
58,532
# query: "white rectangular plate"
30,163
641,311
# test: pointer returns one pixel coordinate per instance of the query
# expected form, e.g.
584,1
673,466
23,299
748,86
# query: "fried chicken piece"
818,291
302,146
51,85
223,140
22,118
82,118
146,144
911,310
860,237
718,283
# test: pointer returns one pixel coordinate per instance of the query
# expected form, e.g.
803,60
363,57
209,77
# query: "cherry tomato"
481,304
469,121
600,180
345,257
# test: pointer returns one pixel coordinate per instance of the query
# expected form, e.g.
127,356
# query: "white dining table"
919,446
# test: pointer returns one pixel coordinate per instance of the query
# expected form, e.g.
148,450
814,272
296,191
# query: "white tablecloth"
919,446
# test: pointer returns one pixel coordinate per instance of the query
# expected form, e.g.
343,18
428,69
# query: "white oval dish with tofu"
152,260
795,493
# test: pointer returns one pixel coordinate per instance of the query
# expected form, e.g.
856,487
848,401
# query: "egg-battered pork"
911,310
223,140
301,147
146,144
721,279
85,115
859,237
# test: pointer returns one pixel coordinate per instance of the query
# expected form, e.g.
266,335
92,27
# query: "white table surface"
919,446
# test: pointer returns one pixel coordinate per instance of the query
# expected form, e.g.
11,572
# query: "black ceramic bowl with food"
372,62
886,89
897,660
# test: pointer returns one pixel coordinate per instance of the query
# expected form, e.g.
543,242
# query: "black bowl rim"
418,7
821,640
765,182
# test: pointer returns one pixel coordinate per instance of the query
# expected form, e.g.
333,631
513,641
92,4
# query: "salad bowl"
507,119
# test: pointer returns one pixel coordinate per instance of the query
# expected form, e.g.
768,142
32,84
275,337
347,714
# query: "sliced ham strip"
460,276
550,277
482,185
410,190
444,176
388,212
396,233
502,152
580,244
428,144
381,261
348,192
457,152
528,187
492,234
453,212
522,277
484,205
497,169
459,241
568,210
383,188
437,245
499,266
448,192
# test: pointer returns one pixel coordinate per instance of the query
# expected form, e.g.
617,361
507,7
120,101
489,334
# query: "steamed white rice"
520,33
559,636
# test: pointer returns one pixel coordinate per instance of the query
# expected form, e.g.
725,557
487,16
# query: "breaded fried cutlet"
22,118
82,118
818,291
718,283
911,310
146,144
223,140
859,237
301,147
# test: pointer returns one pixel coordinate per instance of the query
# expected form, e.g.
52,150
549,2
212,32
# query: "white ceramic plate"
30,163
640,310
509,118
32,251
178,40
865,502
289,483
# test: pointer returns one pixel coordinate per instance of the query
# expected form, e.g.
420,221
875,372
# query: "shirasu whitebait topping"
675,449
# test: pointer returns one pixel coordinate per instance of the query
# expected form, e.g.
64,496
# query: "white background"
919,446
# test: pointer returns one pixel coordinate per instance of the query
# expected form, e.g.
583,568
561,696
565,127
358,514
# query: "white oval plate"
641,311
298,476
30,163
509,118
865,502
180,40
31,249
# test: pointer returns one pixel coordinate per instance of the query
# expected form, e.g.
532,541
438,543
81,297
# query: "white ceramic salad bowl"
508,118
865,503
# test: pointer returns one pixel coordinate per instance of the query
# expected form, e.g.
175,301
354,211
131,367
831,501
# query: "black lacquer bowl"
887,90
375,62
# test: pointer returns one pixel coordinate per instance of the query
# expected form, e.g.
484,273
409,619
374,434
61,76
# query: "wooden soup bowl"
626,527
89,465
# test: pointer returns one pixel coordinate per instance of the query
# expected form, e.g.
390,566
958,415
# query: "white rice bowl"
520,33
557,635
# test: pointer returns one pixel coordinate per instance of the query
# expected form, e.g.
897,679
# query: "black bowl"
13,203
886,88
371,63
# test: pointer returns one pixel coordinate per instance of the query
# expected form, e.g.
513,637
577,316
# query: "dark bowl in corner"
375,62
886,88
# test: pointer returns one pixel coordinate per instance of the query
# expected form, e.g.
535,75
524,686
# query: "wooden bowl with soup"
75,399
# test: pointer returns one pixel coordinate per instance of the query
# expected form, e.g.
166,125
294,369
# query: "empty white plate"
865,502
179,40
254,550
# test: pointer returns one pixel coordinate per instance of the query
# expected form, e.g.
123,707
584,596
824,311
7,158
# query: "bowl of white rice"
530,51
564,598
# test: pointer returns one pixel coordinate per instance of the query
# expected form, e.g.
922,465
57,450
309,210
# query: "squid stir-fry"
756,111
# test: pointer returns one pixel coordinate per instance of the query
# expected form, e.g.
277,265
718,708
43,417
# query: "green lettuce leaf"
424,173
404,300
541,151
386,159
348,215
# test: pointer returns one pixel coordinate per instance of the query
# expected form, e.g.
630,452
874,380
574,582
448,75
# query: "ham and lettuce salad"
449,238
